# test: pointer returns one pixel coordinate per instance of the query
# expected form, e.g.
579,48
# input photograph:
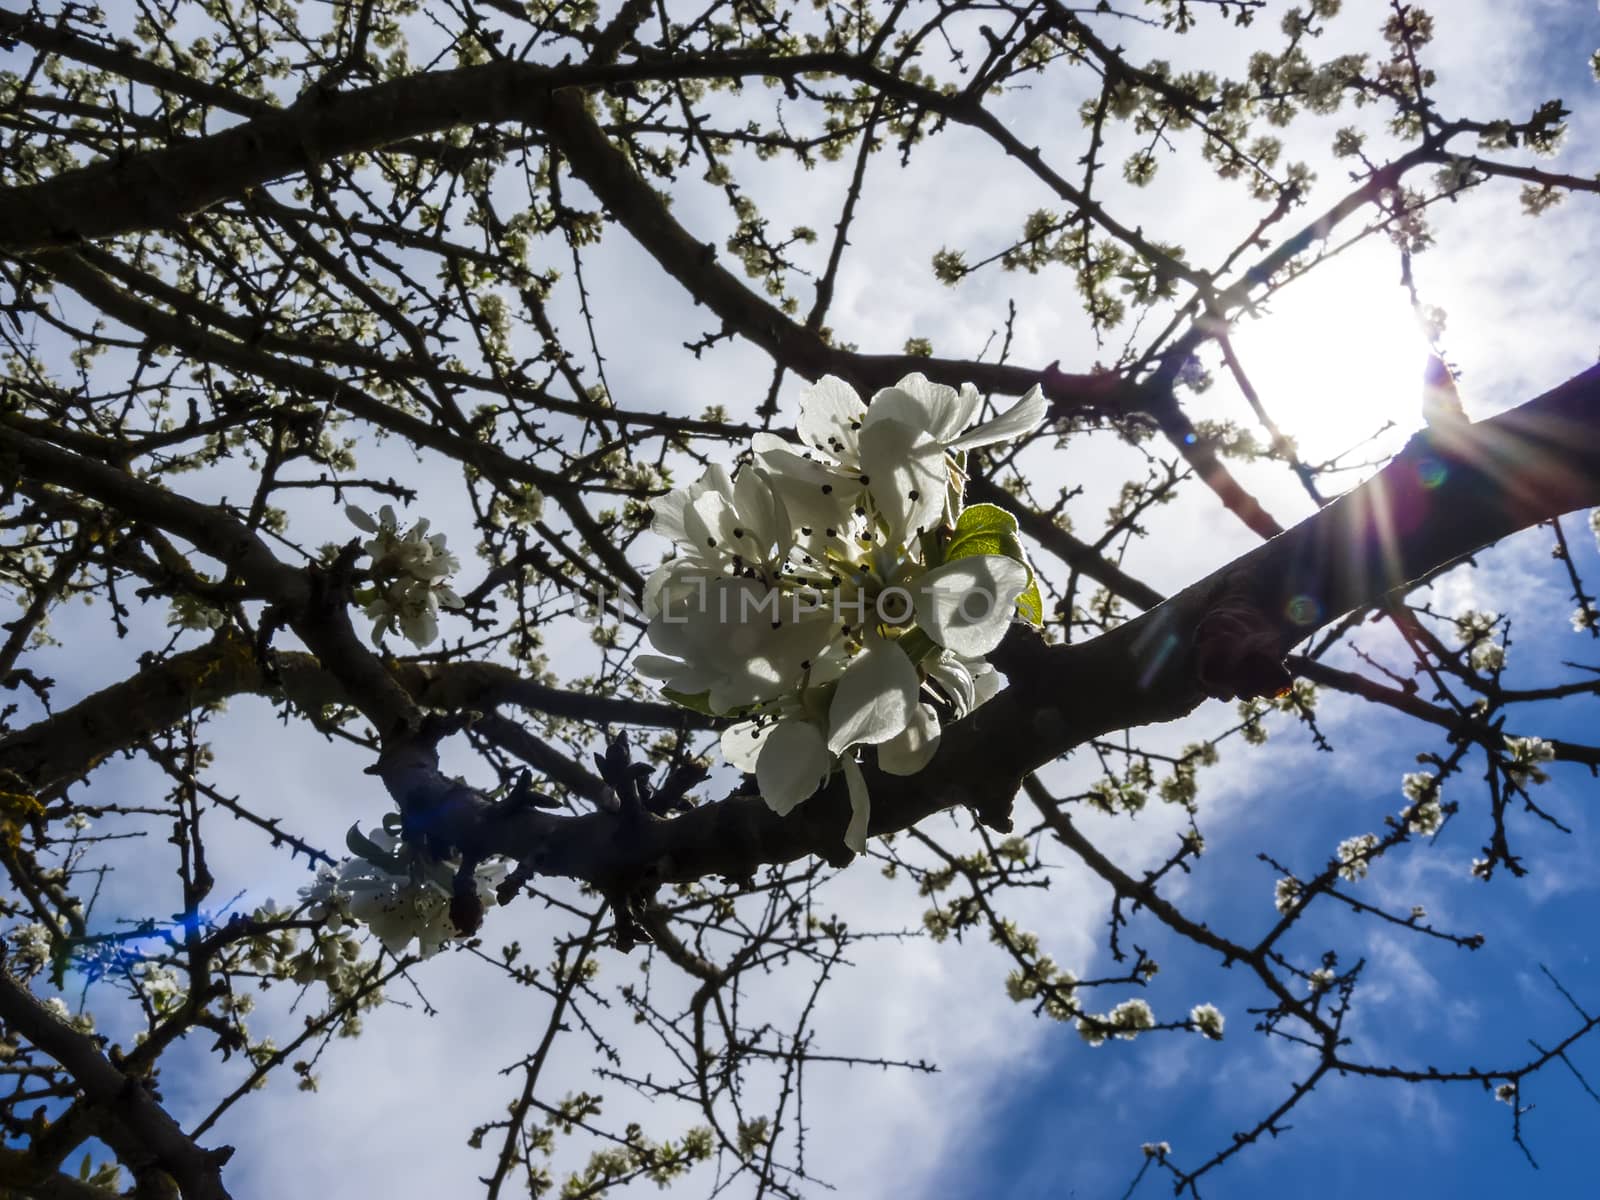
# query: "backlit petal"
855,834
909,752
876,698
1021,418
791,765
967,605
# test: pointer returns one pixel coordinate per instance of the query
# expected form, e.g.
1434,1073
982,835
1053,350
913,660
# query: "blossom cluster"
1125,1021
1354,854
1476,630
830,594
409,571
397,892
1208,1019
1424,815
1523,756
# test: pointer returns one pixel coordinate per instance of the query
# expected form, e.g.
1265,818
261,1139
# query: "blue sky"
1021,1107
1445,1006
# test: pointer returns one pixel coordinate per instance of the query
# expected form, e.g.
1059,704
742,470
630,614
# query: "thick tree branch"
142,1132
72,742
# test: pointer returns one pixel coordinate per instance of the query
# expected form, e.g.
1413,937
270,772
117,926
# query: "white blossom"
1525,755
1286,893
1091,1032
1424,818
1488,655
396,907
1208,1019
808,596
190,612
415,553
161,986
409,571
1130,1017
1354,854
30,948
1418,785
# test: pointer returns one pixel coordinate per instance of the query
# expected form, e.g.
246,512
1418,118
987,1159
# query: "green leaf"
985,517
700,702
985,529
1030,605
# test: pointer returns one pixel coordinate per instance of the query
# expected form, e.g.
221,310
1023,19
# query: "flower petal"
655,666
855,834
361,519
909,475
876,698
909,752
985,683
742,744
830,414
814,497
967,605
791,765
916,401
1021,418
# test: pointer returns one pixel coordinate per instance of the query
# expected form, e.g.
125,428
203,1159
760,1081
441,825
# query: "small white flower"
1130,1017
1355,854
1208,1019
161,987
1418,785
1156,1149
396,908
30,947
190,612
1525,755
1424,818
1286,894
1320,980
58,1008
1506,1093
409,570
1584,619
1488,656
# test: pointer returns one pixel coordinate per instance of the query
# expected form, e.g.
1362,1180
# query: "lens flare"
1431,472
1303,610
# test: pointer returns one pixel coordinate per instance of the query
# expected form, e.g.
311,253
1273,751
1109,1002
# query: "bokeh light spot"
1303,610
1431,472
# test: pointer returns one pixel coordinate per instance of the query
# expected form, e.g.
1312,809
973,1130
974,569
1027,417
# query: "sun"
1337,357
